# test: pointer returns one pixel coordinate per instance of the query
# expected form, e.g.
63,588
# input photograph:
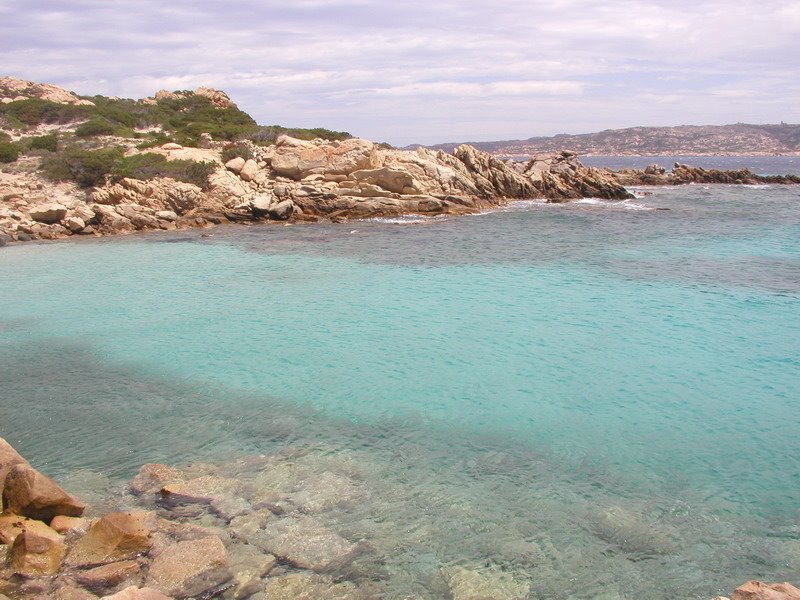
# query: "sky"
428,71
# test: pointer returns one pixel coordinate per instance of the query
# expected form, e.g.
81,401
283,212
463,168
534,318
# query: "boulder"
37,552
282,210
12,526
109,575
48,213
298,159
190,568
166,215
8,458
134,593
249,170
756,590
31,494
116,537
260,205
235,164
171,146
74,224
304,543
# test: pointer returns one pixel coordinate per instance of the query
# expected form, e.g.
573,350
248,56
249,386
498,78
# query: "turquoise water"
550,366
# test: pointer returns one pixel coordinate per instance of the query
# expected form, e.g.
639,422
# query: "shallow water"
600,398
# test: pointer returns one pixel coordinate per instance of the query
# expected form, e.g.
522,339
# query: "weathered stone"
632,533
70,592
248,527
756,590
393,180
249,170
190,568
260,205
282,210
63,524
152,477
488,584
37,552
166,215
326,491
31,494
134,593
115,537
8,458
74,224
235,164
297,159
316,587
48,213
109,575
305,543
12,525
249,566
171,146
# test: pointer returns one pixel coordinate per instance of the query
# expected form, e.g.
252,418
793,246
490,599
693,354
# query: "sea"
601,399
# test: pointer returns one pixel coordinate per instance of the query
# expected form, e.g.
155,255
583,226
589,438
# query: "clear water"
601,398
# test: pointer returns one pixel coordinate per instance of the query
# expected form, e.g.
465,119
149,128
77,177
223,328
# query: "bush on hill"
9,152
236,150
95,127
90,168
267,134
43,142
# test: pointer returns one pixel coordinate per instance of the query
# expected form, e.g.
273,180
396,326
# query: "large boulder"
492,176
190,568
51,212
116,537
29,493
756,590
249,170
298,159
162,193
11,526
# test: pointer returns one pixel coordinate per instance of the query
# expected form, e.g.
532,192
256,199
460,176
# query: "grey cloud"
427,71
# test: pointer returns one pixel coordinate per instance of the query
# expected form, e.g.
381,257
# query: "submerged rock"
190,568
314,587
109,575
467,584
305,543
134,593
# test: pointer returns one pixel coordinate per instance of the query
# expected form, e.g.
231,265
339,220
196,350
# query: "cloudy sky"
428,70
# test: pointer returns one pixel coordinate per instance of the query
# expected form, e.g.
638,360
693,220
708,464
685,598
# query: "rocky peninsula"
98,166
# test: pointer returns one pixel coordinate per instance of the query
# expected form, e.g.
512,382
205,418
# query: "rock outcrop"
683,174
13,89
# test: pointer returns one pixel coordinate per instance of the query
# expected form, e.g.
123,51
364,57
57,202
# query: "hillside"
738,139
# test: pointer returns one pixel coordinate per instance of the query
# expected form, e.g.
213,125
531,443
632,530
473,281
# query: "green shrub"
86,167
150,165
9,152
236,150
44,142
95,127
267,134
4,137
33,111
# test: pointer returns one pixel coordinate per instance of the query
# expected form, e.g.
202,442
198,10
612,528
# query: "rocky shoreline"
300,181
249,528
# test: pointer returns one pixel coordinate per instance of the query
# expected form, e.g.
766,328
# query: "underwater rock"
484,584
306,544
631,533
134,593
190,568
109,575
317,587
152,477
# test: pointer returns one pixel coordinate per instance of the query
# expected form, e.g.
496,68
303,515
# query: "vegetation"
266,135
149,165
236,150
43,142
90,168
94,127
9,152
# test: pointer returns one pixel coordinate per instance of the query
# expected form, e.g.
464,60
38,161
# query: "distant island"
740,139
